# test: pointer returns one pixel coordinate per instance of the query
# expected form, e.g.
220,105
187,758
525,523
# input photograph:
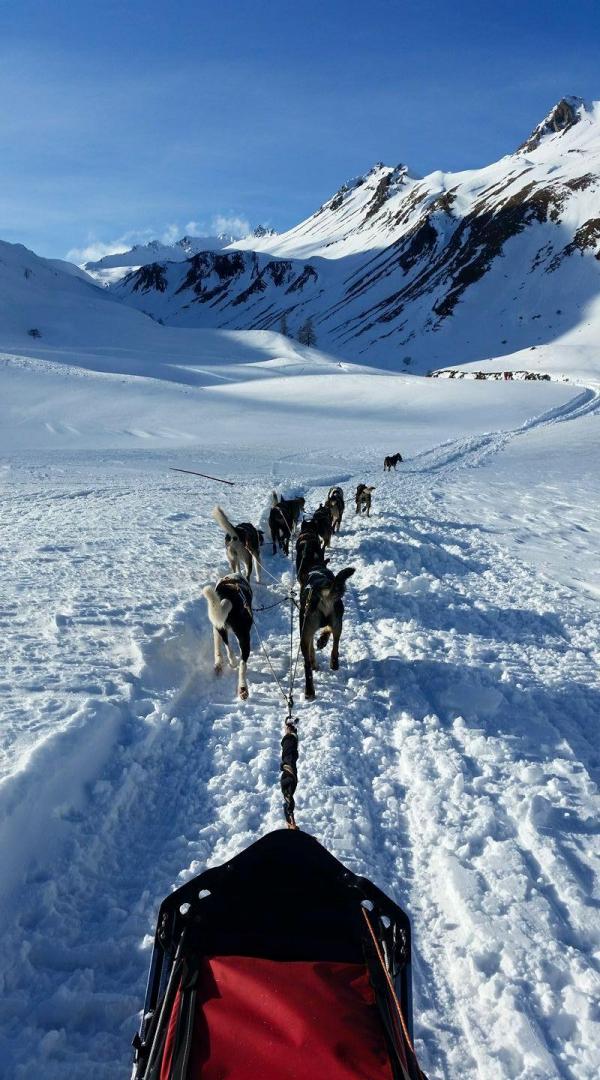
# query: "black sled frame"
283,898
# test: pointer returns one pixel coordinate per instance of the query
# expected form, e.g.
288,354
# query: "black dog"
363,499
336,504
323,523
391,461
242,544
309,552
321,608
282,519
230,608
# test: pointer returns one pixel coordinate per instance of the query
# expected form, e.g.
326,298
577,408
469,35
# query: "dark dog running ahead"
363,499
230,608
309,552
391,461
321,608
323,523
282,519
336,504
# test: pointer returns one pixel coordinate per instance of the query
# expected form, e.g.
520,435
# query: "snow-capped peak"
564,115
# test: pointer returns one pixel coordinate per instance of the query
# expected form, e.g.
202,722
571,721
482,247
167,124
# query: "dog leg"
306,638
313,656
309,686
242,683
334,663
257,567
244,642
232,658
217,648
336,630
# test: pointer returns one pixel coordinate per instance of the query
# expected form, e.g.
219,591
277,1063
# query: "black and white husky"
230,608
242,544
321,609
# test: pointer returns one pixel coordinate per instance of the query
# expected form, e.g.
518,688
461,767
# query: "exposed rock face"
562,117
150,277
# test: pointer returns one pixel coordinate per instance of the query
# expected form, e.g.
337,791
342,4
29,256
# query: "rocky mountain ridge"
417,272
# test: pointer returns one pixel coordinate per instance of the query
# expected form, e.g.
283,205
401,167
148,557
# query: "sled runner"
279,965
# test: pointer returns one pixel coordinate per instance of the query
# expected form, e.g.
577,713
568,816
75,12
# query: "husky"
321,608
391,461
322,521
363,499
282,519
336,504
242,544
309,551
230,608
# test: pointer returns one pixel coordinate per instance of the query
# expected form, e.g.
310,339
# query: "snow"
453,758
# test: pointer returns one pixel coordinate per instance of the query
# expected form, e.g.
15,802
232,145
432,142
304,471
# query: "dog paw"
334,663
309,695
218,669
243,693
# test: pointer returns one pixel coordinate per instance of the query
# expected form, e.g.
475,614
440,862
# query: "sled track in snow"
466,695
469,453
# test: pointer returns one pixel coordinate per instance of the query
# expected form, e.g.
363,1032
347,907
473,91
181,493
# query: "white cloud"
195,228
232,224
97,249
171,234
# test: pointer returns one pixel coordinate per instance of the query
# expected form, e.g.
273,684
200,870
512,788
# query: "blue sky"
122,120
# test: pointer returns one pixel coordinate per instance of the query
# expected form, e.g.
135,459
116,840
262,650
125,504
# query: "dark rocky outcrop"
562,117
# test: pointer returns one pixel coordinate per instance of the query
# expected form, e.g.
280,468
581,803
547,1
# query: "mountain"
51,312
410,272
111,268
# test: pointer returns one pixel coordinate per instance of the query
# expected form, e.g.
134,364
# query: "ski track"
450,759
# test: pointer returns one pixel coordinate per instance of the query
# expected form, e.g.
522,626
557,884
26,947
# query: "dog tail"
218,609
274,498
221,519
342,577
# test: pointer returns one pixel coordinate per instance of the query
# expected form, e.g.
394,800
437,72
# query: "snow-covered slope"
53,315
453,758
417,273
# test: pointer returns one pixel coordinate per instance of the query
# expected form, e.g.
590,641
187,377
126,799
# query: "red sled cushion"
268,1020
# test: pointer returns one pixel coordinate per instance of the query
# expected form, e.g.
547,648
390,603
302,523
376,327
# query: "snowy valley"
454,758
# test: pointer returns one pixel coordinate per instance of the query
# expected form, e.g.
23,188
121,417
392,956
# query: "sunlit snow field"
453,758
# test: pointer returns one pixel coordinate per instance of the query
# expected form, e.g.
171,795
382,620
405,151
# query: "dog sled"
279,965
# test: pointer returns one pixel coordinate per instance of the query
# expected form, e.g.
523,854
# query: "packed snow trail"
453,759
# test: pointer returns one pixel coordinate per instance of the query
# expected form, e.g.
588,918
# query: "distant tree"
34,332
306,334
407,360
